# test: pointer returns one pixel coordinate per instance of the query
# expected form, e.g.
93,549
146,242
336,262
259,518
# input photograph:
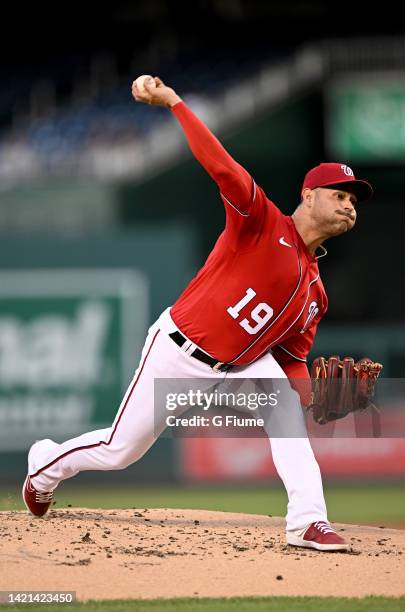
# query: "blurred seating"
87,120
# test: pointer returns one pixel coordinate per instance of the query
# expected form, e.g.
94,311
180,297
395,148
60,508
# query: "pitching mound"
107,554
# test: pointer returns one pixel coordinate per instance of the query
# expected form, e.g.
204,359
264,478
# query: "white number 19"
260,313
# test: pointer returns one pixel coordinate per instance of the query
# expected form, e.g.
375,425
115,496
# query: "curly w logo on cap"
337,175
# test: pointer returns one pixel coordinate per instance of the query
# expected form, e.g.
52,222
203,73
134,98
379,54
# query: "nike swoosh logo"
284,243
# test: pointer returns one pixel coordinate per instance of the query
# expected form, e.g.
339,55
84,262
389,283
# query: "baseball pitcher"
251,312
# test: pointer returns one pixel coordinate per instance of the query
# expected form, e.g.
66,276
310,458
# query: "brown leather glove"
342,386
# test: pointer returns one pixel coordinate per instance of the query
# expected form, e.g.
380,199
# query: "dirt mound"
111,554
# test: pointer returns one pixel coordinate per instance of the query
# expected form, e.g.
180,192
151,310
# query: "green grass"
234,604
378,504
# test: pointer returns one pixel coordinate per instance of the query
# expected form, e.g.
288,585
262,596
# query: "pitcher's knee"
123,455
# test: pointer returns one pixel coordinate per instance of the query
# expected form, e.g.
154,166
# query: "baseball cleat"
319,535
37,502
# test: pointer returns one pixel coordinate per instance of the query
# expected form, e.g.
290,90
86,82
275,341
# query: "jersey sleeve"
291,355
248,210
297,372
235,184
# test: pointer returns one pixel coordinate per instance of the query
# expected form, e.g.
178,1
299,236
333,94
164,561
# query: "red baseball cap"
337,175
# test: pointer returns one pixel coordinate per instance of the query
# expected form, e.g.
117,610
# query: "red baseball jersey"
260,287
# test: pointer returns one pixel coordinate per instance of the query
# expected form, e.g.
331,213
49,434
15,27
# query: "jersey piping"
291,355
276,318
235,207
283,334
300,313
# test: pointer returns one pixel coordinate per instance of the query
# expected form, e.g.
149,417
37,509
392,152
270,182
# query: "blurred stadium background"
105,216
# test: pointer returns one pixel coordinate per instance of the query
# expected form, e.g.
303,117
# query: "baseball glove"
342,386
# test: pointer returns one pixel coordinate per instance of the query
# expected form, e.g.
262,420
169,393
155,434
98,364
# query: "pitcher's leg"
291,450
298,469
138,423
294,459
133,431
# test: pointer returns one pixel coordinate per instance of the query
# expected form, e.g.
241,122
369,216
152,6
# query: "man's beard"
336,228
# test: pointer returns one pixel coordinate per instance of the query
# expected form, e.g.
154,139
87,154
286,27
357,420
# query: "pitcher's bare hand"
161,95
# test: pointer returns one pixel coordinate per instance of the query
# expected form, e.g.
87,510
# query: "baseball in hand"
141,80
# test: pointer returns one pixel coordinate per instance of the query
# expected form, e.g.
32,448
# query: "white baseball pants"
138,423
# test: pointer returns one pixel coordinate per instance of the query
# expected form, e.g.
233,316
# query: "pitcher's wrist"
175,99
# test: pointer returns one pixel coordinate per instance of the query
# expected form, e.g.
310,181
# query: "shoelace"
324,527
43,497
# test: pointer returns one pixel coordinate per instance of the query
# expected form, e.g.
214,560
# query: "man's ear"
307,197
